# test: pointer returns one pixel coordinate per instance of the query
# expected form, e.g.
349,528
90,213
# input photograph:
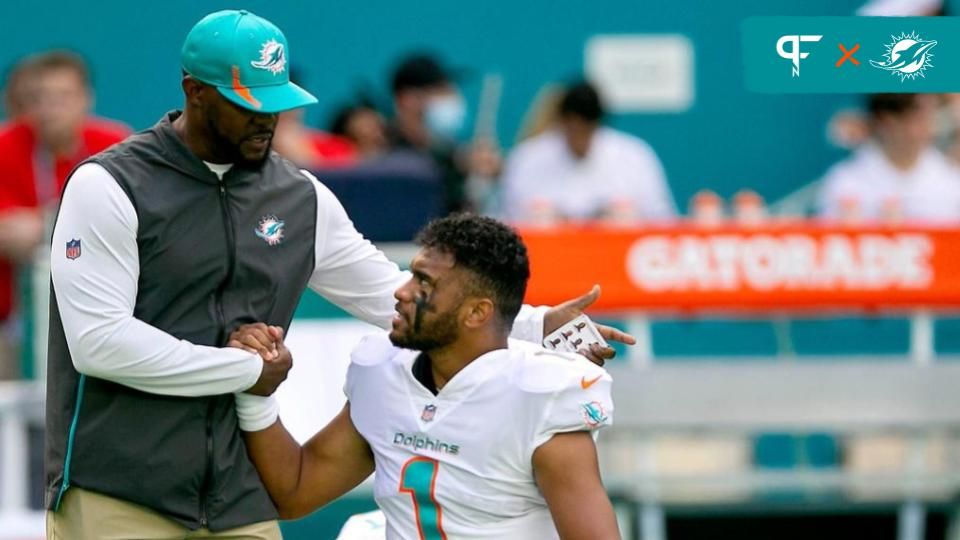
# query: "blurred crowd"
903,167
567,165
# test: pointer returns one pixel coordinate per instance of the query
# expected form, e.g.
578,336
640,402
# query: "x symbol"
848,55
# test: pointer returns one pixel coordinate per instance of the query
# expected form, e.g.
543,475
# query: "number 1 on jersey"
418,478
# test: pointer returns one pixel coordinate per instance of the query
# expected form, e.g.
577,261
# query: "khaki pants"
85,515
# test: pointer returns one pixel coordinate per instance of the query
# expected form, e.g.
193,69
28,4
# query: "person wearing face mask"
429,115
581,170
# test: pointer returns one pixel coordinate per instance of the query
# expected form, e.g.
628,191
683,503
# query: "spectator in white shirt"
898,175
583,170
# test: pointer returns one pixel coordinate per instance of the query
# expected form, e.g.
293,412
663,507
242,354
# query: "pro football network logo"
428,413
794,54
73,249
907,56
270,229
272,57
593,414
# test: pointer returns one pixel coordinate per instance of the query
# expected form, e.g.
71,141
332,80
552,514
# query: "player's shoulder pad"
539,370
374,349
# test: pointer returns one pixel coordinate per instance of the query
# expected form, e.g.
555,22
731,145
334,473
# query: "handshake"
267,341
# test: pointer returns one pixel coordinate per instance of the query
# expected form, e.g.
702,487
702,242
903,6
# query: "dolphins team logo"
594,414
270,229
272,57
907,56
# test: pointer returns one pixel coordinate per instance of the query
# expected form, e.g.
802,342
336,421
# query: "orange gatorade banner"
789,267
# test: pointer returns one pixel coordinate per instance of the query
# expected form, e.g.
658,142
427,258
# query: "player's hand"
258,338
558,315
274,372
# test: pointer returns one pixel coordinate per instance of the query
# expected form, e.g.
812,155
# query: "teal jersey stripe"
419,479
70,438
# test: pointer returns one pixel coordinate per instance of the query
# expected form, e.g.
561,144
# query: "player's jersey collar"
470,378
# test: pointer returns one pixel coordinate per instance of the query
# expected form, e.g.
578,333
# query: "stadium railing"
917,405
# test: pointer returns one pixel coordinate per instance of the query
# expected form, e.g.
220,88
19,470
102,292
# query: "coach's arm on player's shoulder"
355,275
301,479
96,290
567,471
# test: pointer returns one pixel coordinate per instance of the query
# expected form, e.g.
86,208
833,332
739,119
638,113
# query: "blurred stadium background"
810,418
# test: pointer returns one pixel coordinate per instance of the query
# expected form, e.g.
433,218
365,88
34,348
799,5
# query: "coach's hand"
267,341
257,338
274,372
571,309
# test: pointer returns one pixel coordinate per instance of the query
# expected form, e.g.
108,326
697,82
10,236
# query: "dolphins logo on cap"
272,57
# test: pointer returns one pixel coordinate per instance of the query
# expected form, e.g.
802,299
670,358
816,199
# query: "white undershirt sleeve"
96,293
528,326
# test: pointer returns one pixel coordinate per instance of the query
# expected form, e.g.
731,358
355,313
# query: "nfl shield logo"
73,249
428,413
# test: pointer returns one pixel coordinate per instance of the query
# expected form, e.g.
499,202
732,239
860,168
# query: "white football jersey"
458,465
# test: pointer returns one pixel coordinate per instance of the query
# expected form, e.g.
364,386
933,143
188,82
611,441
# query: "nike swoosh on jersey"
584,383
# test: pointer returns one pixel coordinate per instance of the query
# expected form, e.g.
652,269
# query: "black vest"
204,271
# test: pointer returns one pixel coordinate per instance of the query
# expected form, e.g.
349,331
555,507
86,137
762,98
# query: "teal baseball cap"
246,58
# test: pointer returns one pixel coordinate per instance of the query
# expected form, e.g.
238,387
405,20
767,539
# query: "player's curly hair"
493,252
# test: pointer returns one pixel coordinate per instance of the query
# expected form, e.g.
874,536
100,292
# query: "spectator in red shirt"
50,134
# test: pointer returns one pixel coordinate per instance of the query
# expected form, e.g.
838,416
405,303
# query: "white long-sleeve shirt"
96,293
866,187
620,174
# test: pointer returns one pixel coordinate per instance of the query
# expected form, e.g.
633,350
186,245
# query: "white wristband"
256,413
